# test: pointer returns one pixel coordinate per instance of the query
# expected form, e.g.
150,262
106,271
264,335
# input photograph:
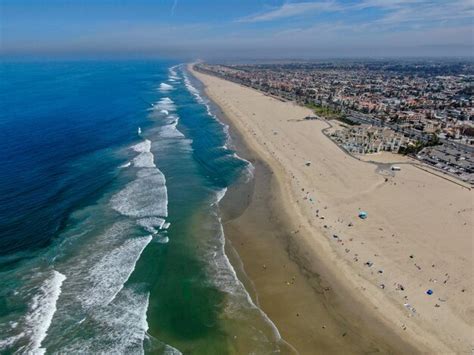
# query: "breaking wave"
42,311
120,328
223,274
170,130
165,87
108,277
249,172
194,91
164,105
146,196
37,321
173,74
151,224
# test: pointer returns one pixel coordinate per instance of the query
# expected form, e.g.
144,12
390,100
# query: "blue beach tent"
362,215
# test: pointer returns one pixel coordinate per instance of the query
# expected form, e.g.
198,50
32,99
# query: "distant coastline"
430,126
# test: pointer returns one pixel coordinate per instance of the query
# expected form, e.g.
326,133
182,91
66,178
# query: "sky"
237,29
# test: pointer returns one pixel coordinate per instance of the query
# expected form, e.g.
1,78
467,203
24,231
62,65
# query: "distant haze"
236,29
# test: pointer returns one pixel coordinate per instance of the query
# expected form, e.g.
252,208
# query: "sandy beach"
332,282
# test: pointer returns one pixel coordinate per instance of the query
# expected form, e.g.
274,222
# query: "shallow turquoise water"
109,228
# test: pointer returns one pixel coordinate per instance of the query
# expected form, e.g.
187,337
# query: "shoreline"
276,264
330,321
313,261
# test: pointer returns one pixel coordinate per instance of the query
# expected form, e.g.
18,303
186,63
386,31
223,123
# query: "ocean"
110,232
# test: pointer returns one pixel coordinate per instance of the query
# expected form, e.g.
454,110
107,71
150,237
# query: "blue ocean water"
110,236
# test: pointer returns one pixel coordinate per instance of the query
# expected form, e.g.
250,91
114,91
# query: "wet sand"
313,315
309,273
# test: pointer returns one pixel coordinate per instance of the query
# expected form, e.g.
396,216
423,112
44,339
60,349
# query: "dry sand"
418,236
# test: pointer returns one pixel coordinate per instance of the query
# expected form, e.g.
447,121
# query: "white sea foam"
220,195
166,112
173,73
142,147
250,168
146,196
7,342
163,240
99,301
165,104
151,224
108,276
126,165
194,91
225,278
165,87
41,312
250,171
120,327
223,274
170,130
96,293
145,159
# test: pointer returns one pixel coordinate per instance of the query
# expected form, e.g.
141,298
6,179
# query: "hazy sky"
237,28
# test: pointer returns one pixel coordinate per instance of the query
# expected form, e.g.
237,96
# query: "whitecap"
146,196
194,91
108,276
249,172
145,159
165,87
151,224
6,343
165,104
170,130
41,312
173,73
141,147
120,327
